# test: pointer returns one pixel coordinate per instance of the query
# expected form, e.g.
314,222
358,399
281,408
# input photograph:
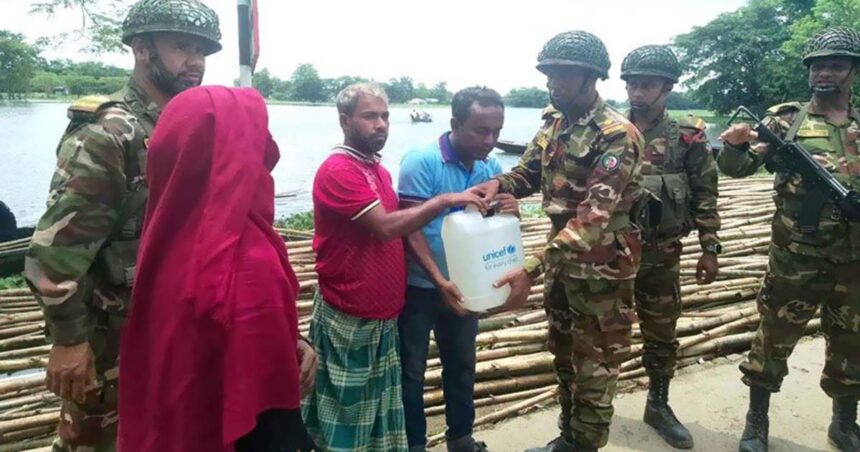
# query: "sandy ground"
709,398
711,401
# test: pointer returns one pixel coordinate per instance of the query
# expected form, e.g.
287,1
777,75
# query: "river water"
29,133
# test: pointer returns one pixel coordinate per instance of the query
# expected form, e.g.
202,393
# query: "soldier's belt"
616,223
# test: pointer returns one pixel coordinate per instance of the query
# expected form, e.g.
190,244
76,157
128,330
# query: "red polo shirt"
359,274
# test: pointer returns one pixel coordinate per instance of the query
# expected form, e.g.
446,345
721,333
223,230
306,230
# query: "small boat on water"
511,147
420,116
14,242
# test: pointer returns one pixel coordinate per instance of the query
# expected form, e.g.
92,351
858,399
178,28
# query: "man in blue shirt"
458,160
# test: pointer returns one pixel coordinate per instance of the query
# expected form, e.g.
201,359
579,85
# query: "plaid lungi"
356,404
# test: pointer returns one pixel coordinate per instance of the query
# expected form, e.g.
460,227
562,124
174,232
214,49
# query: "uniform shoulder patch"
784,108
89,104
692,122
87,108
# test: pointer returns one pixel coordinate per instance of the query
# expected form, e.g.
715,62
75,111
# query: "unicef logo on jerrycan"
505,257
501,252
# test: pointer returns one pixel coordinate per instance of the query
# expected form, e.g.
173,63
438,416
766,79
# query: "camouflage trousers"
658,305
91,426
794,287
589,336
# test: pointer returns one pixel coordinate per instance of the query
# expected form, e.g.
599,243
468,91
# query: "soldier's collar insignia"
610,163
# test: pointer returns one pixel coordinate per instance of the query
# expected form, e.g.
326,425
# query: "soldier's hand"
71,371
487,190
466,199
507,204
825,162
761,148
452,297
738,134
707,268
308,365
521,285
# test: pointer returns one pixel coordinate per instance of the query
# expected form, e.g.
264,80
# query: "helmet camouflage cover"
653,60
575,48
833,42
182,16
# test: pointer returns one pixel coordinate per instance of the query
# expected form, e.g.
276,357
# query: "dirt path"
712,402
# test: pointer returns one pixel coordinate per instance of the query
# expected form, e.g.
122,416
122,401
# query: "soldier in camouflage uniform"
80,265
586,161
809,267
679,169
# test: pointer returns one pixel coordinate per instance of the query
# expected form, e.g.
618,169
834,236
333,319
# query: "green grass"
303,221
12,282
531,210
707,116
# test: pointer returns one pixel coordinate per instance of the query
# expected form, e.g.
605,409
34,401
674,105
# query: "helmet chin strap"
835,87
650,105
580,92
160,76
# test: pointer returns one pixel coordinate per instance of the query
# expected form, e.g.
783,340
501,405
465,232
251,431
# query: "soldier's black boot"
844,434
659,415
560,444
754,438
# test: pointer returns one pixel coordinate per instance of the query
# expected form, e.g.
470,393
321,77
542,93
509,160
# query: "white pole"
243,8
245,76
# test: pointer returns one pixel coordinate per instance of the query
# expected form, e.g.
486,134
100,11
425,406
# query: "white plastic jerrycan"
479,251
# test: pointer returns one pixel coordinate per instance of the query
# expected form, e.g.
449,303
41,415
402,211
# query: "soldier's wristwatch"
714,248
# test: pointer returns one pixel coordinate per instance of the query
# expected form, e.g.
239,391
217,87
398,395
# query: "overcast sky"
463,42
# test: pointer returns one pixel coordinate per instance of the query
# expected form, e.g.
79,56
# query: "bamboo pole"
493,400
503,413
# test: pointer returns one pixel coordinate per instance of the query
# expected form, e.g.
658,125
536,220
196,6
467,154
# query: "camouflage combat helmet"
183,16
833,42
575,48
651,60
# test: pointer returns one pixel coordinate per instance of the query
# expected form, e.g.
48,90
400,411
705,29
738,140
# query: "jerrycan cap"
472,209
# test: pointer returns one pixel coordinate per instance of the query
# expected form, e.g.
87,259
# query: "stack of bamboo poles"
514,369
12,256
14,246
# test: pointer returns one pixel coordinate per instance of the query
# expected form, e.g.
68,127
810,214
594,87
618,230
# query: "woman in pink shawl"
211,356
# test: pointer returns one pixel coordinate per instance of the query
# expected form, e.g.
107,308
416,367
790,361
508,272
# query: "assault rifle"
819,181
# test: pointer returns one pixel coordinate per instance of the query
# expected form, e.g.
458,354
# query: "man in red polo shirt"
362,282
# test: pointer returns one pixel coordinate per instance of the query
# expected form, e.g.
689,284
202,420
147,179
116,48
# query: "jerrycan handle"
494,206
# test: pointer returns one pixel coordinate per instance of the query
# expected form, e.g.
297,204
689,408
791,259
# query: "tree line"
750,56
306,85
23,72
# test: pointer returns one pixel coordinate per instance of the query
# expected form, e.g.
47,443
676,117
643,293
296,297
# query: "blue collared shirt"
430,171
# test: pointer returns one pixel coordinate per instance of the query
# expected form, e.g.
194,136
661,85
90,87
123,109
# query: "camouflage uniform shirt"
95,209
588,171
836,240
696,162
